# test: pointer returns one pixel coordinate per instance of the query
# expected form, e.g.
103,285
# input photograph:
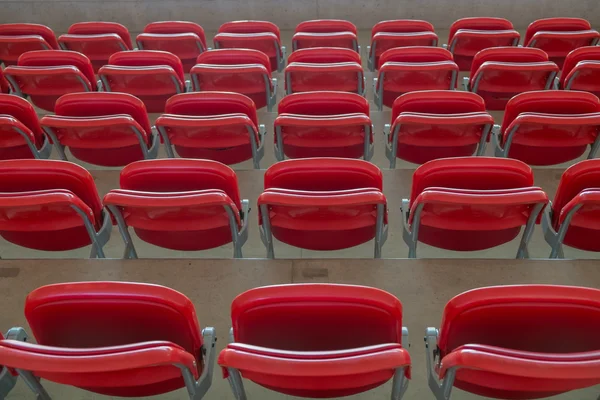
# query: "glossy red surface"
277,345
308,77
551,354
18,113
81,340
19,38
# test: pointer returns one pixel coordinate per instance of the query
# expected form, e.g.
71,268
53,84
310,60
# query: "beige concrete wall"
135,14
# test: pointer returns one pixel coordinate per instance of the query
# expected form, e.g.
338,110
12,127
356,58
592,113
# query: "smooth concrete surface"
423,286
397,186
135,14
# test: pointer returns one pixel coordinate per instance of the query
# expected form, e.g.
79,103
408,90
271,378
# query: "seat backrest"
548,318
212,103
49,58
324,55
480,24
94,104
550,102
415,54
507,54
310,317
4,88
249,26
583,175
144,58
438,102
323,174
401,26
180,175
326,26
176,27
323,103
101,27
476,173
32,175
103,314
20,29
234,57
581,54
555,24
22,110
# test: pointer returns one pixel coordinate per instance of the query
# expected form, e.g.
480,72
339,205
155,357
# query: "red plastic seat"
323,124
51,205
184,39
4,88
20,132
312,77
16,39
516,342
559,36
219,126
325,33
323,204
45,75
573,218
581,70
324,55
108,129
499,73
468,36
549,127
151,75
244,71
180,204
113,338
387,35
287,340
96,40
258,35
434,124
471,203
409,69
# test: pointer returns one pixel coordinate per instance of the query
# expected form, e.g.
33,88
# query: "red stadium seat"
20,132
151,75
113,338
4,88
324,55
107,129
323,124
287,339
96,40
244,71
219,126
573,218
180,204
499,73
16,39
581,70
51,205
516,342
387,35
468,36
325,33
471,203
559,36
258,35
323,204
45,75
184,39
409,69
435,124
336,76
549,127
